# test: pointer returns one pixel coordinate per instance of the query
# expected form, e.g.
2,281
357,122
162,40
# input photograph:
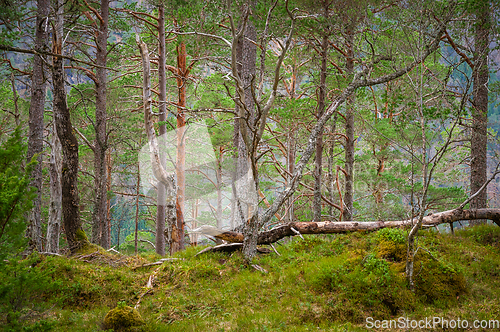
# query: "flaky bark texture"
247,56
348,200
99,217
331,227
35,142
75,235
478,162
182,72
55,168
137,195
321,109
162,81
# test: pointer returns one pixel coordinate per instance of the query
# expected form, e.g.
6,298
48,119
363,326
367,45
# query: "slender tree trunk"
194,223
55,168
159,171
181,148
137,192
410,254
478,175
75,235
291,169
162,190
35,142
349,131
108,199
99,216
331,177
17,115
218,174
247,56
321,108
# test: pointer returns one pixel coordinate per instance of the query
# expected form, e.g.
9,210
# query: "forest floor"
351,282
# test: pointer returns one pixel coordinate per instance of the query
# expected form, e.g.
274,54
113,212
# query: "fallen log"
330,227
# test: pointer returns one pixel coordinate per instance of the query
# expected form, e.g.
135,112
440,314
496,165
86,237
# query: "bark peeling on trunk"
99,216
35,142
162,128
478,163
182,74
55,168
75,235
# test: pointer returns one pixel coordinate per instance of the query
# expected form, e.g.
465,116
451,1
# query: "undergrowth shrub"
391,244
308,243
483,234
15,194
23,282
364,285
437,282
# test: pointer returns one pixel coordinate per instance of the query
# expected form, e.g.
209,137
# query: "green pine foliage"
15,194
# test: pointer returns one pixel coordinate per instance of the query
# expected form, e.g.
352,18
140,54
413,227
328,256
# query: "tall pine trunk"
246,56
321,108
162,191
75,235
349,131
100,228
35,142
480,74
290,158
182,73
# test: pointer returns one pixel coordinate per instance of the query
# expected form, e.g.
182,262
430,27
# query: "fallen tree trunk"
330,227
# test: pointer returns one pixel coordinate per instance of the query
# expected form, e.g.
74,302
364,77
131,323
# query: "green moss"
308,243
81,236
122,317
391,251
83,241
391,244
361,287
437,282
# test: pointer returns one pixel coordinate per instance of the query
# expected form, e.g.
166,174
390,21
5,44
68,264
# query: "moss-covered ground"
321,283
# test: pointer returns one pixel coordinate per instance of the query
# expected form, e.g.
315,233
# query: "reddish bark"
182,74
